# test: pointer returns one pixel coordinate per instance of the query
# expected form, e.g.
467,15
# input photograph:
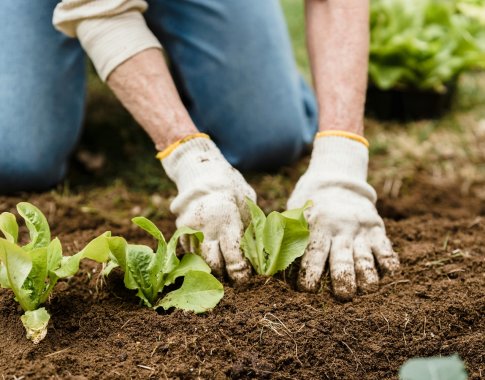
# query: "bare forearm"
338,44
145,87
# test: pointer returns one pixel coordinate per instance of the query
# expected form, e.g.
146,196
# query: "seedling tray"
408,104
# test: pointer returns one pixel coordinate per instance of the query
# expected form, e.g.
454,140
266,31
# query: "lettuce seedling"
149,272
272,243
424,44
436,368
31,271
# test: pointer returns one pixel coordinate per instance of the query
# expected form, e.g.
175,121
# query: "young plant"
31,271
272,243
424,44
150,272
436,368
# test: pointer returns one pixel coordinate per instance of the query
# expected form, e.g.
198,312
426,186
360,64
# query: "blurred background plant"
425,44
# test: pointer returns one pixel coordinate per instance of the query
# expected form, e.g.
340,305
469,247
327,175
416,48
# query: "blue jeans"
231,60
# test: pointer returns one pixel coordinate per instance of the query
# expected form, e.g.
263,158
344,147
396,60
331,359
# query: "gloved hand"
344,224
211,199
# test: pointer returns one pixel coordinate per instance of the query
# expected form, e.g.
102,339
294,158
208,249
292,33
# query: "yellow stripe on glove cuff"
166,152
345,134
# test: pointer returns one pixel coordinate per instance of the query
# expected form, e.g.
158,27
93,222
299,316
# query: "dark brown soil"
434,306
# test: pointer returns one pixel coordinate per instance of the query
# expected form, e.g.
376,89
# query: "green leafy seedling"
149,272
437,368
424,44
31,271
272,243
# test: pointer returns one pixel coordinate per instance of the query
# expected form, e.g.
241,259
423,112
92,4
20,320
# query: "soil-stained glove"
344,224
211,198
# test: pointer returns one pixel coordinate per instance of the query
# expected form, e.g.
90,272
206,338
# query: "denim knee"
42,77
274,140
272,132
25,171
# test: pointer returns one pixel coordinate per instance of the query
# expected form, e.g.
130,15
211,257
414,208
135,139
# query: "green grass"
295,17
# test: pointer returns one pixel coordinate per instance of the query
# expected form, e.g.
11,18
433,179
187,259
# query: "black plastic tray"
409,104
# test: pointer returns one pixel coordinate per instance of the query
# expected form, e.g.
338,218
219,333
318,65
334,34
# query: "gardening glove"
344,224
211,199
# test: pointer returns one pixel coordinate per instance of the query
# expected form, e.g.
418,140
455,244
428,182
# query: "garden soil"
266,330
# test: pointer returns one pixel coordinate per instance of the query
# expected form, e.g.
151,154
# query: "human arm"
129,58
345,226
338,45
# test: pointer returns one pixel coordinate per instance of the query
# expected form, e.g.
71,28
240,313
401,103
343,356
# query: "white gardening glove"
211,199
344,224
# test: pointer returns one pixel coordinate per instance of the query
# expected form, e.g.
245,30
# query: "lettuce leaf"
149,272
272,243
436,368
423,44
199,293
32,271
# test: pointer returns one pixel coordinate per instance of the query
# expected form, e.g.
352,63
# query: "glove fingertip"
368,287
344,286
239,276
308,281
216,269
386,256
211,254
344,293
390,265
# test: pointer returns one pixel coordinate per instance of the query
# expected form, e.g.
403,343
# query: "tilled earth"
433,306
